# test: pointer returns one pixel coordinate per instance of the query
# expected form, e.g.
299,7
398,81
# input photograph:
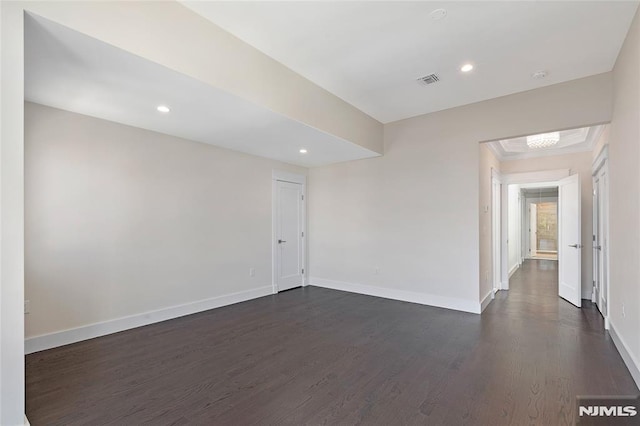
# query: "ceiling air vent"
429,79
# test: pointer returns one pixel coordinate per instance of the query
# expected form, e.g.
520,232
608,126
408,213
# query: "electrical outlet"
376,270
26,307
252,272
624,314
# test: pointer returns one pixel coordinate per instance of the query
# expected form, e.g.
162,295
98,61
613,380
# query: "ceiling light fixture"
163,108
466,67
303,151
543,140
539,75
438,14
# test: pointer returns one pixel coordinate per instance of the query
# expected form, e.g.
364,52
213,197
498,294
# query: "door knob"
281,241
598,247
575,245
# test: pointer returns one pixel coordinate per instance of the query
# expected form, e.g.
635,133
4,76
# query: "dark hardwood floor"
316,356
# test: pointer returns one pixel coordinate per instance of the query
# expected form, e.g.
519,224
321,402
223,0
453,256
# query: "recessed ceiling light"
163,108
538,75
303,151
466,67
438,14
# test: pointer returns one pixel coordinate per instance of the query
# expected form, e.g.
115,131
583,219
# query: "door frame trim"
526,216
284,176
496,230
603,156
539,179
602,161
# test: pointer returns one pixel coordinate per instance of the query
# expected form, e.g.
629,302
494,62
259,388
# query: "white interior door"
533,230
569,241
288,236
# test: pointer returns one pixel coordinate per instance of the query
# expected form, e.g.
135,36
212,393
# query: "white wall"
121,221
624,170
414,212
514,223
578,163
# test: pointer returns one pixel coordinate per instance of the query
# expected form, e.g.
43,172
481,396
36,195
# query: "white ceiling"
71,71
573,140
371,53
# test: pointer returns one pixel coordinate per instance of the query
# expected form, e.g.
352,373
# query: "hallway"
535,286
547,349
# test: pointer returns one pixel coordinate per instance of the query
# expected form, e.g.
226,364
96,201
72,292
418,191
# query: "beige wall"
121,221
624,203
578,163
488,161
413,213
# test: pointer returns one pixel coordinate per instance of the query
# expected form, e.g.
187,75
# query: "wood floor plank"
315,356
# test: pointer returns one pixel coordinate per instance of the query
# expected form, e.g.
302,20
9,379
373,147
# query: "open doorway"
527,209
532,224
540,222
543,227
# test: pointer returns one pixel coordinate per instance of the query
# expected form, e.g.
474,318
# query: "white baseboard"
89,331
630,361
486,300
26,421
514,269
403,295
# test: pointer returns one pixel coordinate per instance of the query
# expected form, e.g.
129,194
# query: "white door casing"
600,243
595,227
604,245
288,235
569,241
495,231
533,229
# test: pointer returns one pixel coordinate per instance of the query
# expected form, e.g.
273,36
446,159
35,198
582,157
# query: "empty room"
310,212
